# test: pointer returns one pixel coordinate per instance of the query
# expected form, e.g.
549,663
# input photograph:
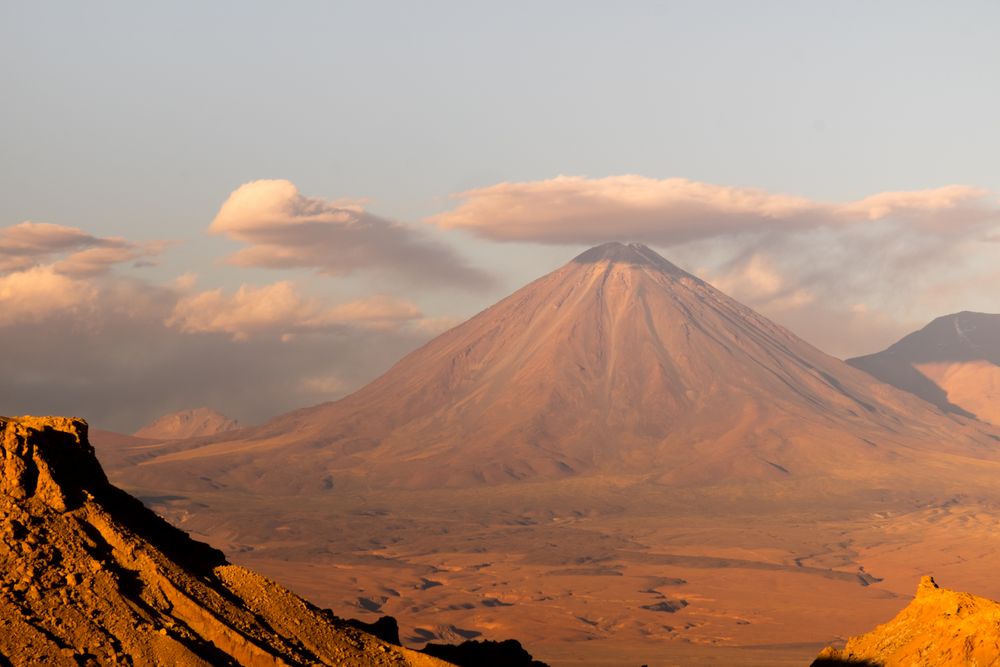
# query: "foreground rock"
938,628
89,576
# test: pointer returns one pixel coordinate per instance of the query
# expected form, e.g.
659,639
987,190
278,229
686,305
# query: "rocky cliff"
938,628
89,576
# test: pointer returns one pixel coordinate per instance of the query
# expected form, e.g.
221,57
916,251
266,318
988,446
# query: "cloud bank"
850,277
285,229
279,309
575,210
79,336
81,333
29,244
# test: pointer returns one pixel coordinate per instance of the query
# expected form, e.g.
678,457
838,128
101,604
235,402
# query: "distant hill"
187,424
953,362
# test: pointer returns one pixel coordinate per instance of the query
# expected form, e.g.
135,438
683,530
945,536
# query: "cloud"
850,277
849,290
287,230
949,209
121,351
99,260
279,309
756,280
29,244
132,368
41,293
573,209
77,337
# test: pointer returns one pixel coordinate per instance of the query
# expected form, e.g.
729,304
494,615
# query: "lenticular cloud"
574,209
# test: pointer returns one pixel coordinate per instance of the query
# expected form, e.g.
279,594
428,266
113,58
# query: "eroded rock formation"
938,628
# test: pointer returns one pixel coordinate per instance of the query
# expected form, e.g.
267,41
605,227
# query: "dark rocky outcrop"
487,653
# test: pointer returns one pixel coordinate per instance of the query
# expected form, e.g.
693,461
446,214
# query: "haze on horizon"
258,208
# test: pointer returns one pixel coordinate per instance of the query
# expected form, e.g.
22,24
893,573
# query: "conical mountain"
953,362
618,362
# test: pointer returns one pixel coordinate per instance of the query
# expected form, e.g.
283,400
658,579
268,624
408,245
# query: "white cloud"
41,293
756,280
285,229
280,310
28,244
573,209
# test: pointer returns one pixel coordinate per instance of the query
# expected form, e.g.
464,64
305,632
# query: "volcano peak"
635,254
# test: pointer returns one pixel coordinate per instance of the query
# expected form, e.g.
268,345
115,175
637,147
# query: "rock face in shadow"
953,362
939,627
89,576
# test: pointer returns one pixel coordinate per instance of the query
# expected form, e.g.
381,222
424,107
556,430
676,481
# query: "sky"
261,206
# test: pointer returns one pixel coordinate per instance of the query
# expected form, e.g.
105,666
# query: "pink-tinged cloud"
96,261
280,310
29,244
573,209
41,293
285,229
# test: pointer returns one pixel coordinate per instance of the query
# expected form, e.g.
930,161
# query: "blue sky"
138,120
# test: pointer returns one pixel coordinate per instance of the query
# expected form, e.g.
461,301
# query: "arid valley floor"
763,583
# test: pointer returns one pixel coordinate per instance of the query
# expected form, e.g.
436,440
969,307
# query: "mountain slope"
939,627
953,362
187,424
576,463
617,363
90,576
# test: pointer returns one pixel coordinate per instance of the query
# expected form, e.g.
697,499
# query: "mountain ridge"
953,362
191,423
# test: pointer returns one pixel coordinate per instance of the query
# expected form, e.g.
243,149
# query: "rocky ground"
89,576
939,627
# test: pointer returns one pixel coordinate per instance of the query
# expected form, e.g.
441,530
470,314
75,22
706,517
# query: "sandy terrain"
654,576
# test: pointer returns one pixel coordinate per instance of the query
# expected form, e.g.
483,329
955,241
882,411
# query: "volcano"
617,363
618,457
